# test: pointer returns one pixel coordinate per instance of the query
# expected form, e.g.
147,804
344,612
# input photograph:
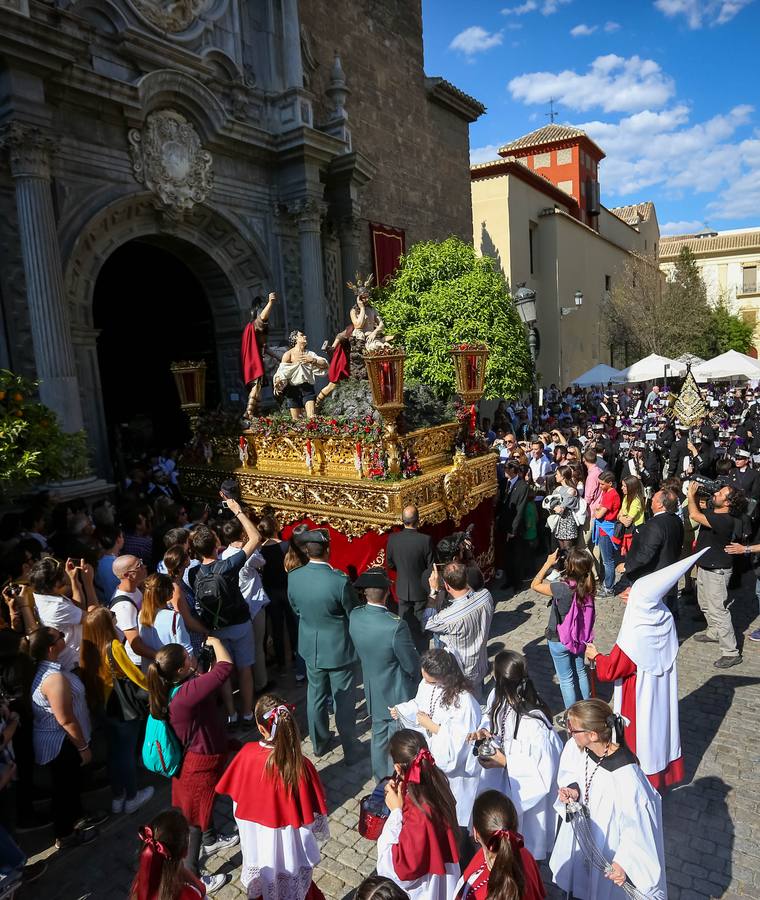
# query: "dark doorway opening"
151,311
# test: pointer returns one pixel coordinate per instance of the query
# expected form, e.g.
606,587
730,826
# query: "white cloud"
609,27
612,82
484,154
687,227
702,12
475,40
545,7
583,30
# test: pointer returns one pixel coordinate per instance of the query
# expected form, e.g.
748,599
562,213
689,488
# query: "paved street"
712,827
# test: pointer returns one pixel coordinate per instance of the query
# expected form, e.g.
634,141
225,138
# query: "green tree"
726,332
443,294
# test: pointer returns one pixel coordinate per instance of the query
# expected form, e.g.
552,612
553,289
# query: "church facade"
255,144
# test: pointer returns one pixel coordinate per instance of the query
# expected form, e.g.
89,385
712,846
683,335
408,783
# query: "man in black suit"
410,554
679,450
512,523
657,543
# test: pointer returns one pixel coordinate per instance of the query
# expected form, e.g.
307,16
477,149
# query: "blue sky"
670,90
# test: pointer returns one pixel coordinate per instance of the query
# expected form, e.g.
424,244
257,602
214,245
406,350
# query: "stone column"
309,214
291,45
348,231
29,151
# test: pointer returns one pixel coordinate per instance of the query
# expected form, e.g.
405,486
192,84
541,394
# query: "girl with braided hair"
417,848
279,805
502,869
527,750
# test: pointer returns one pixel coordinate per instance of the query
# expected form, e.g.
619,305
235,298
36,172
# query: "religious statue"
294,378
252,351
366,332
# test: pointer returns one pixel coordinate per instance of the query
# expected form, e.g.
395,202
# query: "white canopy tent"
600,374
690,359
650,368
728,365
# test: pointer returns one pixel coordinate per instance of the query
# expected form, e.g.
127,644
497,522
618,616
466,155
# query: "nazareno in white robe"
626,824
530,776
451,750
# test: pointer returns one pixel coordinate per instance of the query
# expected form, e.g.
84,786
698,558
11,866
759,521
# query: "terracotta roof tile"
637,212
549,134
670,247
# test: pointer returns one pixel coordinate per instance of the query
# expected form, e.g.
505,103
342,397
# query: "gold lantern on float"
190,378
385,370
470,370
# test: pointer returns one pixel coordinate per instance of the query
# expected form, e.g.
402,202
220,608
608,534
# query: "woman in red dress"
161,872
502,869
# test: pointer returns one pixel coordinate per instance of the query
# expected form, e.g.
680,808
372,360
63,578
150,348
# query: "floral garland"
469,345
362,430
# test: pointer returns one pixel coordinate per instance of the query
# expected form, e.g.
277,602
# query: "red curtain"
355,555
387,246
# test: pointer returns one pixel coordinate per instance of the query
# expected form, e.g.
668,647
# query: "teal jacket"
390,662
322,598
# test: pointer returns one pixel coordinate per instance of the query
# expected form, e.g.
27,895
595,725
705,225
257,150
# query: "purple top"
194,714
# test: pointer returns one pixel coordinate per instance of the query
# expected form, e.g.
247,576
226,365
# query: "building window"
566,186
608,283
542,161
564,156
749,280
388,244
532,243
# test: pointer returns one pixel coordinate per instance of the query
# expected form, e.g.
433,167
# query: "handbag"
128,701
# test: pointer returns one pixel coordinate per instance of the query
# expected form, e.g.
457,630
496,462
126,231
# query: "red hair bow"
513,837
274,714
148,838
415,766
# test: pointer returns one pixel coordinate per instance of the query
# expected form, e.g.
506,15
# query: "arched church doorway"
150,310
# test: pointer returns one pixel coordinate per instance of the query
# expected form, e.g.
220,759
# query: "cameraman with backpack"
571,619
186,731
221,605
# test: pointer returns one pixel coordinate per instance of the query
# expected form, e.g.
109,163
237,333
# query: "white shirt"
66,616
249,579
126,616
539,468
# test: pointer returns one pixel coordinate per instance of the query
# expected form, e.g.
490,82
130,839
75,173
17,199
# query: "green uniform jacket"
390,662
322,598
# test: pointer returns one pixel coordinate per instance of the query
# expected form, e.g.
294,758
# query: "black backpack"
217,604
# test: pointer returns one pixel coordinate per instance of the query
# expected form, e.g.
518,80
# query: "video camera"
709,486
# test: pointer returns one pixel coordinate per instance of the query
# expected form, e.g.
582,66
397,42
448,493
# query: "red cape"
250,355
424,847
534,886
261,795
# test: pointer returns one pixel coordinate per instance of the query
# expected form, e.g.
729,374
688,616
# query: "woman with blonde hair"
105,669
601,781
160,620
279,806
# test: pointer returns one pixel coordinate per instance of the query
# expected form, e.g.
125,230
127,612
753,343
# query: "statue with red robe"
252,349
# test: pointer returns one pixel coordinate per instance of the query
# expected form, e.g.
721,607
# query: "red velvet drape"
387,246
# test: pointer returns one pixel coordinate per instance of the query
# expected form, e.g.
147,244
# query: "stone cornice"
38,46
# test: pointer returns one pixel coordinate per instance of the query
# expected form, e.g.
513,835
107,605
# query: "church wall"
420,150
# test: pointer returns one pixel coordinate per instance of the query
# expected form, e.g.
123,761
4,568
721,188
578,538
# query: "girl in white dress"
417,848
623,811
525,769
445,711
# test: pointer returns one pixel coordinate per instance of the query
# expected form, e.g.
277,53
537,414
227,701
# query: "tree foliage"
32,445
444,294
653,315
726,332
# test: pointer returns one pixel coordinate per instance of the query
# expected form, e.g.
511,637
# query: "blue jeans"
569,668
122,761
607,550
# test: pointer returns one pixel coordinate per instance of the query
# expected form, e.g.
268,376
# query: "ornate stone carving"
29,149
171,15
167,157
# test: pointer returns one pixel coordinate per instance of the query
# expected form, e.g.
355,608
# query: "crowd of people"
155,634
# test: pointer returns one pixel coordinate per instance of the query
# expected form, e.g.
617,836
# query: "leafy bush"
444,294
32,445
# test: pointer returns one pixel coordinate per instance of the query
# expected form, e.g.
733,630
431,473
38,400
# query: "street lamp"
525,301
566,310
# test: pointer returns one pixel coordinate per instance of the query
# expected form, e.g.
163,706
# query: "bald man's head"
410,516
129,568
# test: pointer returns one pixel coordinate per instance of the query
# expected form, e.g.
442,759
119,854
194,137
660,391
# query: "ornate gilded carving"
173,16
167,157
433,447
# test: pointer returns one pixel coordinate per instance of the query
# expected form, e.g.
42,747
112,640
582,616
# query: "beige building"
536,211
728,262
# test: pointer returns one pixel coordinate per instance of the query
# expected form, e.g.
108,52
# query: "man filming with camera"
719,521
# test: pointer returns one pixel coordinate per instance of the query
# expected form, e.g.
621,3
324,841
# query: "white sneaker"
222,842
232,720
117,805
213,883
139,799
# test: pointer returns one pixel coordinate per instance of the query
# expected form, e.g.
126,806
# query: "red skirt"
193,792
340,364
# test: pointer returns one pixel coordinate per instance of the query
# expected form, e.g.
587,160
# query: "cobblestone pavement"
712,827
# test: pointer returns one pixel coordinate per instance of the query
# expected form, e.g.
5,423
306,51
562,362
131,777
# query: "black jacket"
656,544
679,450
511,514
410,553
